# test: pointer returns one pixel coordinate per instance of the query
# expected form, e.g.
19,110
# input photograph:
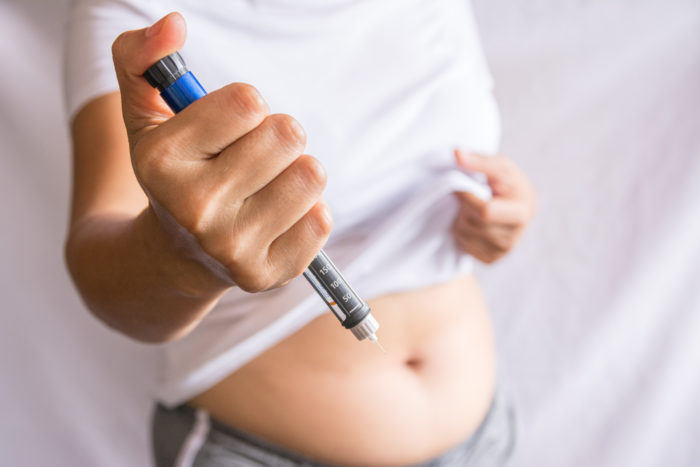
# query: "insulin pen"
179,88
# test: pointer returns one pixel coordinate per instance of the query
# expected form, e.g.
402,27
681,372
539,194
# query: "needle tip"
380,345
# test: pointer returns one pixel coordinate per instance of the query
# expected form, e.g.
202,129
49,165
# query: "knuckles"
309,173
249,105
247,102
286,130
253,281
197,212
247,267
324,224
151,158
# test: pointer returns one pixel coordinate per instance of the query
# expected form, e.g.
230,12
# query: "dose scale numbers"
332,287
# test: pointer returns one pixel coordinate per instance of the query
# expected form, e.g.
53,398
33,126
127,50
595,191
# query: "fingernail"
155,28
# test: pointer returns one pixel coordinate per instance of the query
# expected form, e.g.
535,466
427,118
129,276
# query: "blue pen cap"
177,85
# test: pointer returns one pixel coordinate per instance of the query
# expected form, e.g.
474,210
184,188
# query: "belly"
322,394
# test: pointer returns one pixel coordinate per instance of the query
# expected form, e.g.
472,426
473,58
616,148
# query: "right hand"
224,177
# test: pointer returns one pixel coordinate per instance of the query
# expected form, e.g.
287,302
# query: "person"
190,229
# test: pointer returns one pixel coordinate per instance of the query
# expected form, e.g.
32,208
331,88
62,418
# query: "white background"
597,312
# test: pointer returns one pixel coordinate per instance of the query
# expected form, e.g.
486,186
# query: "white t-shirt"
385,90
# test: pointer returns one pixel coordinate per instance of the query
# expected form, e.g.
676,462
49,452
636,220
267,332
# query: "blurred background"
597,312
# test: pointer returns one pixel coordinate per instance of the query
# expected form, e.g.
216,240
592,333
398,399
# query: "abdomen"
324,395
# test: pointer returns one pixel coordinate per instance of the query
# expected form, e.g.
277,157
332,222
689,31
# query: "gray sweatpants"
185,437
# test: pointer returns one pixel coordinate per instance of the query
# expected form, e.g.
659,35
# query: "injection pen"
179,88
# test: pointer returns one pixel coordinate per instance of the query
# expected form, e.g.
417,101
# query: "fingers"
210,124
481,250
305,238
257,158
486,243
286,199
286,257
514,197
497,169
489,229
476,206
201,131
496,211
133,52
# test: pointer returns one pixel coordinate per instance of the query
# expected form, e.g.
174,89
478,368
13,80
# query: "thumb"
133,53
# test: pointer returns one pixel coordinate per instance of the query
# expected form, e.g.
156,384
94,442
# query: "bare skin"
322,394
169,212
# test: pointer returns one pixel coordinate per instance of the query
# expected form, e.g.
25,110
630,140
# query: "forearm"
137,279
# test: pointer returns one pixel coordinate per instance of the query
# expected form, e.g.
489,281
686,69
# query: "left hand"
489,229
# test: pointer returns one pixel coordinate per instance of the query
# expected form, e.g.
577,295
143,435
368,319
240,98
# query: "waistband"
188,437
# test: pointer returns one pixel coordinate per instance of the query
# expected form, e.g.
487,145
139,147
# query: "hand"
488,230
225,179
